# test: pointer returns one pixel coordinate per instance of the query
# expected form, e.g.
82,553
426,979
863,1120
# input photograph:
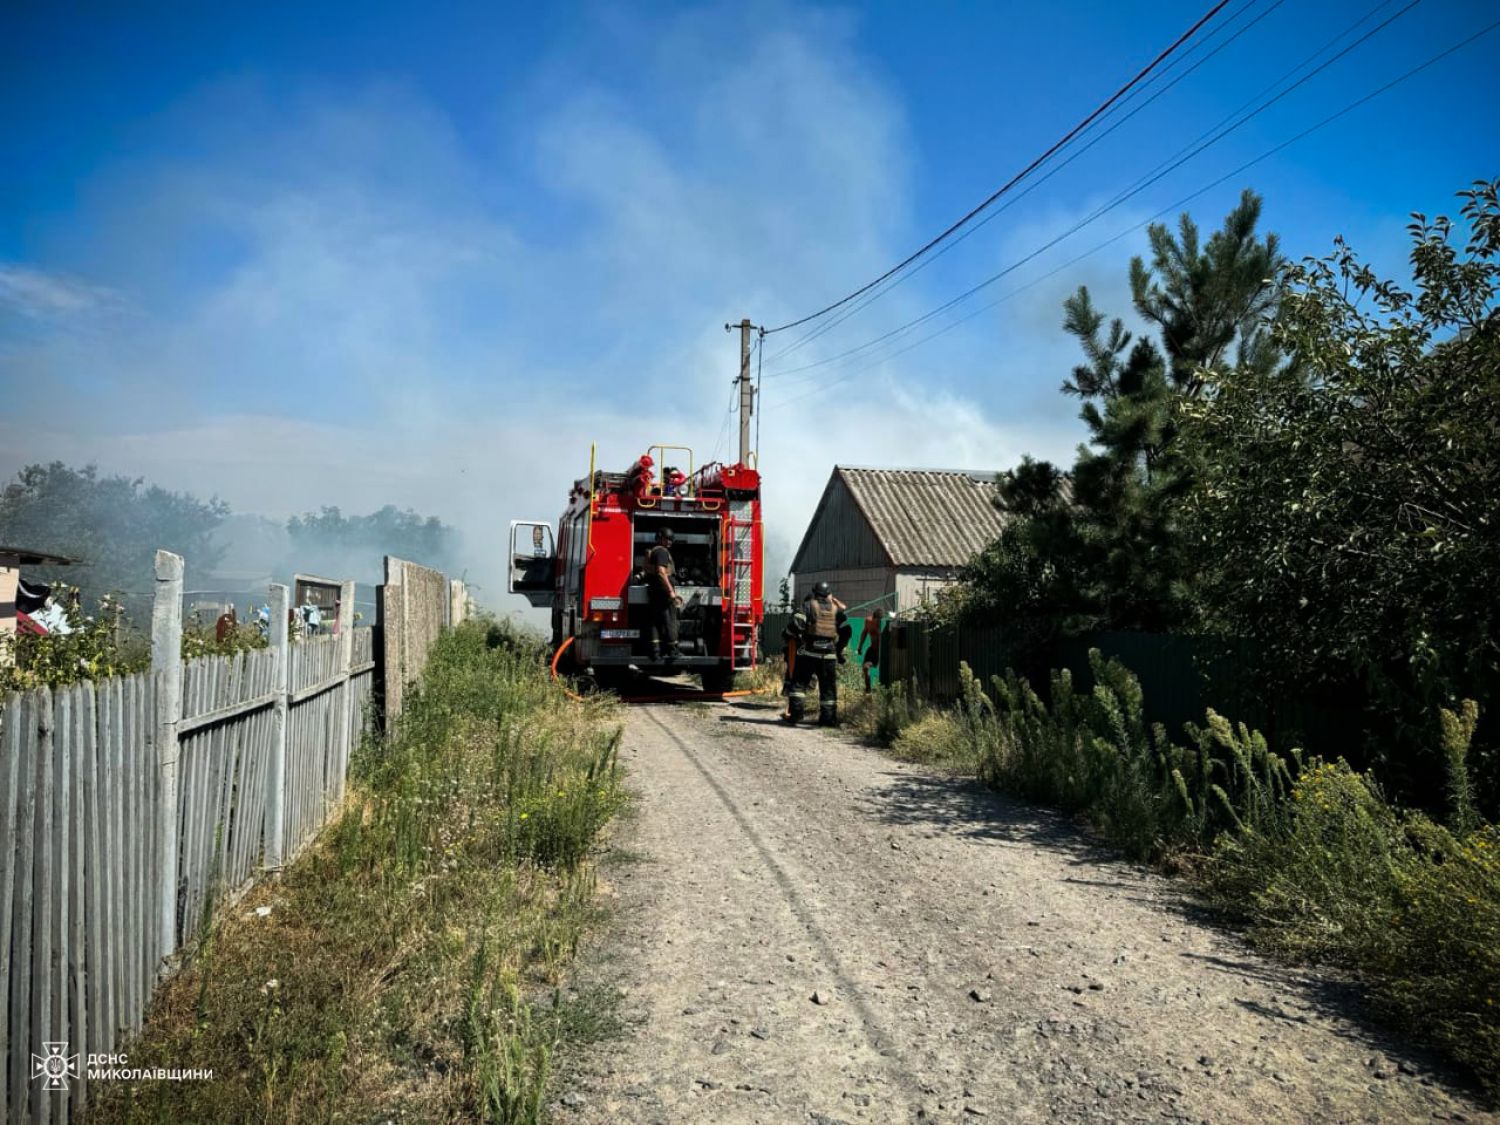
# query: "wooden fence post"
281,604
166,663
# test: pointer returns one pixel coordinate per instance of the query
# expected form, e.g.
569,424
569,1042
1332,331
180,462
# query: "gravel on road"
810,931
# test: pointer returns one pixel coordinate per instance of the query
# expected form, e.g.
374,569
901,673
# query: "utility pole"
747,391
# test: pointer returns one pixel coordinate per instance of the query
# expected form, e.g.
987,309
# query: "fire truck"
592,572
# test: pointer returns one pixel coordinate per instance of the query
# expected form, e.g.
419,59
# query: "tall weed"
1095,753
1409,904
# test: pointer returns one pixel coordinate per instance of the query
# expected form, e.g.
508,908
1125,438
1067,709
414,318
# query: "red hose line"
556,656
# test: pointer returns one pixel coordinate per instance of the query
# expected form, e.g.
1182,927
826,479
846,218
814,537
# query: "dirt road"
811,931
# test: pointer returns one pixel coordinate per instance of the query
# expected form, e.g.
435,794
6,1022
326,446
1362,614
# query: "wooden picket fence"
131,807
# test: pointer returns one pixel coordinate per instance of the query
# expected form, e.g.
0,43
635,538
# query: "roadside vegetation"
1303,463
411,963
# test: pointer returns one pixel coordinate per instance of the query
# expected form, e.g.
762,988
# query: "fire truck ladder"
739,594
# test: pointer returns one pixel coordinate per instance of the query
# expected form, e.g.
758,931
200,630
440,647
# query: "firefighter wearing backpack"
816,639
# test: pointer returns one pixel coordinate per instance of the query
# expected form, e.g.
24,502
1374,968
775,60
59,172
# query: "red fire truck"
592,572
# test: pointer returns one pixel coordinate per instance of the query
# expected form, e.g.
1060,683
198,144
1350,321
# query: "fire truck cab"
592,572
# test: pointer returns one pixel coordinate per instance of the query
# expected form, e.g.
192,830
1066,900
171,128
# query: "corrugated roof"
926,517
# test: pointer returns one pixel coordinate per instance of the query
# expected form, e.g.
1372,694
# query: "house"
12,559
895,534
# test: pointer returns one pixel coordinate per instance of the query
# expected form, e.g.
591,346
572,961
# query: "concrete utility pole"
747,391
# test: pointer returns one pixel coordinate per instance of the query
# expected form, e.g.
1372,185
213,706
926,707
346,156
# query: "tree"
1346,507
332,543
1111,555
112,524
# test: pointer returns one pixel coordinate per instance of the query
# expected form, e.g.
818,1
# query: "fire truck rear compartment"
695,556
597,562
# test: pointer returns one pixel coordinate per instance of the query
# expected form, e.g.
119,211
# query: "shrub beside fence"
130,807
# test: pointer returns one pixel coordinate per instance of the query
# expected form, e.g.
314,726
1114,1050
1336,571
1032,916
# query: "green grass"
414,958
883,715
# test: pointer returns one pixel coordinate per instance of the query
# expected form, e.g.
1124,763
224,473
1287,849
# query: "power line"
1214,134
871,298
1073,132
1164,211
1170,164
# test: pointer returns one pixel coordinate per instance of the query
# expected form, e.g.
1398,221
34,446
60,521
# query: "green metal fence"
776,620
1181,677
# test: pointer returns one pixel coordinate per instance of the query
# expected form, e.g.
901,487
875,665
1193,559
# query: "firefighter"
662,599
820,651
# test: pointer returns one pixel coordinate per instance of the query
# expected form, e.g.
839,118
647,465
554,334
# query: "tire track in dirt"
972,958
875,1034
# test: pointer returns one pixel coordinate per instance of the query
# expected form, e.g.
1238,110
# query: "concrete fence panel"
416,604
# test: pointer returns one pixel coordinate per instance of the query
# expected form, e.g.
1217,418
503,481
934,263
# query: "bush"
200,639
1444,972
101,645
880,715
1409,904
1323,884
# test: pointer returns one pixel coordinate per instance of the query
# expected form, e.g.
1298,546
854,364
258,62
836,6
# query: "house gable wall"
840,537
852,587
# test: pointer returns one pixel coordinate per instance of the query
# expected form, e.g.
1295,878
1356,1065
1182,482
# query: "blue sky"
424,254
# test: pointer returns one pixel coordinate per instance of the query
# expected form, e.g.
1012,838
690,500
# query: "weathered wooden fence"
129,808
79,882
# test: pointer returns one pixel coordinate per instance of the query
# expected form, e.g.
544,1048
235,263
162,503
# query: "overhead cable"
1349,108
1213,135
1073,132
1036,182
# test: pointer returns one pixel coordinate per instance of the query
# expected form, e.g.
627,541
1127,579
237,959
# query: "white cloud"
38,294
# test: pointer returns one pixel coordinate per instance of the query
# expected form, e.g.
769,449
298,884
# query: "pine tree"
1112,556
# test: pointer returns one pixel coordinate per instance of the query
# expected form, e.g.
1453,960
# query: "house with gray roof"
895,534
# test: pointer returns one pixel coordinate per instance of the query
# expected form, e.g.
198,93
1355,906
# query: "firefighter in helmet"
820,632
